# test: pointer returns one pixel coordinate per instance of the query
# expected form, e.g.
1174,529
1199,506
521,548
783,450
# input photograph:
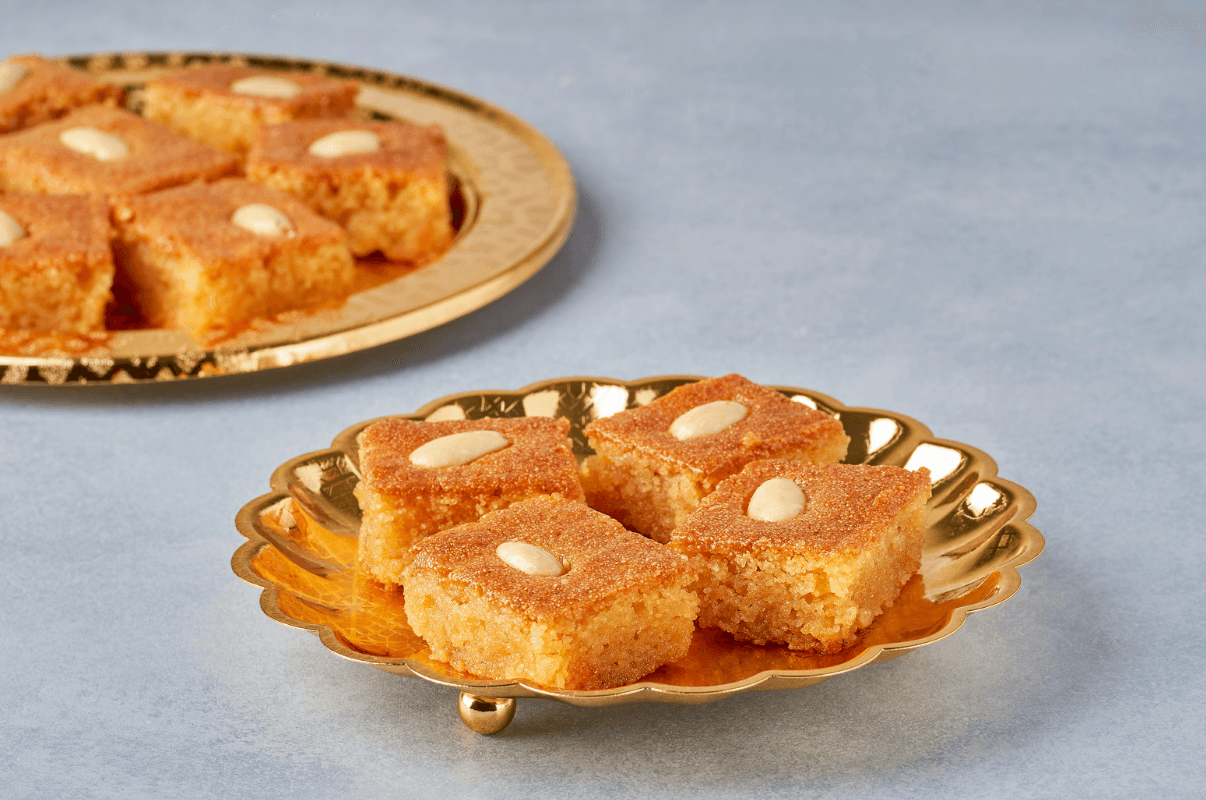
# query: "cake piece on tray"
208,256
419,478
107,150
550,591
34,90
386,182
56,268
653,464
804,555
223,105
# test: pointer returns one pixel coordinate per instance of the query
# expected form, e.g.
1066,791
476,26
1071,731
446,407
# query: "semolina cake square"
191,261
56,268
34,90
650,479
385,182
223,105
550,591
106,150
405,498
804,555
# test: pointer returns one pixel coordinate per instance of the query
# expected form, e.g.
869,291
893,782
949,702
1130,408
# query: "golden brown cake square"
223,105
553,592
385,182
403,502
802,554
56,268
107,150
649,479
35,90
207,256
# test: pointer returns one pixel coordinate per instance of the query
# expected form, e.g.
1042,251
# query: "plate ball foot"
485,715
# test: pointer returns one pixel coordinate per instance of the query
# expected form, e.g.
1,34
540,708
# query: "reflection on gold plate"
301,549
513,203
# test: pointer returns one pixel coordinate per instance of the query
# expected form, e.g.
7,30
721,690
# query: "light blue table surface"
988,216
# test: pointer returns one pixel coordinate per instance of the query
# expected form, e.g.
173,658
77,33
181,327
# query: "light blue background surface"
986,216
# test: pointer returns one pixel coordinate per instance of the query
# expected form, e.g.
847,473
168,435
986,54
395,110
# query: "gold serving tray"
301,549
514,201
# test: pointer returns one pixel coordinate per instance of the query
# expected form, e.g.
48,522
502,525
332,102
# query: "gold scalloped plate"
514,201
301,549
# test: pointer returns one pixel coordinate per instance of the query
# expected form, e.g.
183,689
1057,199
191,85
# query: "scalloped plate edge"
1008,582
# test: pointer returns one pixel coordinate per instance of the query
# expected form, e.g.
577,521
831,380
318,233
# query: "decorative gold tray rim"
913,433
204,360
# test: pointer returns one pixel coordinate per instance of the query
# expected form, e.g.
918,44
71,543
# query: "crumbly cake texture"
48,91
621,610
58,276
199,103
35,160
402,503
816,581
650,481
393,200
190,267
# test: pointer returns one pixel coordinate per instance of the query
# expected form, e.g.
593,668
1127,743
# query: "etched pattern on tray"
519,204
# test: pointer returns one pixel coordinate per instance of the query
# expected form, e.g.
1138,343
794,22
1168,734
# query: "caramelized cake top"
71,230
403,148
49,88
36,159
845,507
197,218
316,95
538,458
602,559
773,426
